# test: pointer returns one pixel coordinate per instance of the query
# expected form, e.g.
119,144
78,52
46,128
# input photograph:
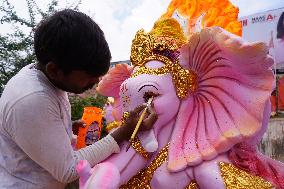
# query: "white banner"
267,27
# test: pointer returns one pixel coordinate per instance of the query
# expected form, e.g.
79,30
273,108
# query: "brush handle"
141,118
139,123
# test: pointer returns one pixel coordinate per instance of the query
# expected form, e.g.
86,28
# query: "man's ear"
53,71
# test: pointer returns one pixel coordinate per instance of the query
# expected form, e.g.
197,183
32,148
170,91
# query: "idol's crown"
164,39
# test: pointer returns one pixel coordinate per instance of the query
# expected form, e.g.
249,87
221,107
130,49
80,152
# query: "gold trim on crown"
165,35
162,44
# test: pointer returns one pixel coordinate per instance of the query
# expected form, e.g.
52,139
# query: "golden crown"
166,35
162,43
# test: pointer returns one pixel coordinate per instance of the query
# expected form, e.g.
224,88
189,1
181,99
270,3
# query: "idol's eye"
148,95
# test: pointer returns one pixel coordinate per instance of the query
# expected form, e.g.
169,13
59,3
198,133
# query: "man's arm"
38,129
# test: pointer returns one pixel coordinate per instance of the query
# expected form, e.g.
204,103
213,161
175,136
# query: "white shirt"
36,133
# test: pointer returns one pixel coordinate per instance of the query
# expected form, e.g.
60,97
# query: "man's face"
77,81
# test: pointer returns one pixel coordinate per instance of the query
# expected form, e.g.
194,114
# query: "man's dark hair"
280,26
73,41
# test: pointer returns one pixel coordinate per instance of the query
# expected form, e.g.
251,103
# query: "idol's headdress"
163,44
168,36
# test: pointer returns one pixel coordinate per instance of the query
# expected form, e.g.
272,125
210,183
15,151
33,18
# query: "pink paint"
102,176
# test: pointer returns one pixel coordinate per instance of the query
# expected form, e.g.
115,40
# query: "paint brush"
139,122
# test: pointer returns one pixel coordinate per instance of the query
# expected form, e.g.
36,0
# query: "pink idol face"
166,103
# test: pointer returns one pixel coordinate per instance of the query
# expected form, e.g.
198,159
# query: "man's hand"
125,131
76,125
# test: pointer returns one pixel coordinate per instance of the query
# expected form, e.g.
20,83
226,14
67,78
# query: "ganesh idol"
211,92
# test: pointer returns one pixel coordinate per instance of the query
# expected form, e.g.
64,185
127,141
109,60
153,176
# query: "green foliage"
16,47
78,103
104,130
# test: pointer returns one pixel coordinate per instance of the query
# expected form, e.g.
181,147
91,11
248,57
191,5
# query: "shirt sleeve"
36,126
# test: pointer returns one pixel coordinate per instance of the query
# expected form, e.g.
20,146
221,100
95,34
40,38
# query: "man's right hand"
125,131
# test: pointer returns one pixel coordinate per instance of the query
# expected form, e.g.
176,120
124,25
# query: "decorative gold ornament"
124,117
162,44
184,80
113,125
143,179
235,178
169,30
192,185
166,35
136,145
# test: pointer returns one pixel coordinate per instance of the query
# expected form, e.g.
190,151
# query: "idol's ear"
110,83
234,82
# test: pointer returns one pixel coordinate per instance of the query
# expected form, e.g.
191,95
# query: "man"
35,121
